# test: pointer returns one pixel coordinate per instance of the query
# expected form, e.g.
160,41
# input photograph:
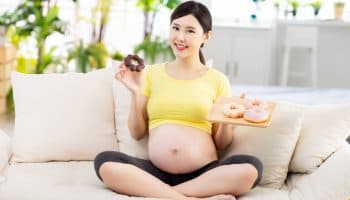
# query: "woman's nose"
180,36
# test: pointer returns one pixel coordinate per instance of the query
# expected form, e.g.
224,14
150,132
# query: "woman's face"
186,36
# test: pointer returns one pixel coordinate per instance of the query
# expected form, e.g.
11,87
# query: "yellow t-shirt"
185,102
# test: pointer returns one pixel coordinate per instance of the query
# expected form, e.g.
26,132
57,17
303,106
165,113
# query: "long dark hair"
200,12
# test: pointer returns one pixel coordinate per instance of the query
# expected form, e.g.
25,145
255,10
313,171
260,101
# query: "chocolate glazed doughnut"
134,63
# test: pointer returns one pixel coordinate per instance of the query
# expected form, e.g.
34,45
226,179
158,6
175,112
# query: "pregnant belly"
180,149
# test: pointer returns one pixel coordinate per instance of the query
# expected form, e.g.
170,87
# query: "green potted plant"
102,9
295,5
88,56
339,9
37,19
152,46
117,55
316,5
153,49
93,54
33,18
276,4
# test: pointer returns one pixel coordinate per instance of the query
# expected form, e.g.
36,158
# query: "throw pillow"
273,145
63,117
324,130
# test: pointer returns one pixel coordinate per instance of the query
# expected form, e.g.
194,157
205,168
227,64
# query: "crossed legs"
230,179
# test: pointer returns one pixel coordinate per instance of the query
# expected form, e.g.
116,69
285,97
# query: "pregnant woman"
170,102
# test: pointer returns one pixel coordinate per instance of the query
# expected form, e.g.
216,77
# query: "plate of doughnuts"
242,111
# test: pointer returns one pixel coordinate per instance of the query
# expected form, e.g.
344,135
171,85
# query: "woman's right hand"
131,79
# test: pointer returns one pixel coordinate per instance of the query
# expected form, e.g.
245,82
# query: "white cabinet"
333,60
243,54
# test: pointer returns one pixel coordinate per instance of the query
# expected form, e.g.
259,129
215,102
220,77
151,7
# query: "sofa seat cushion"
77,180
263,193
54,181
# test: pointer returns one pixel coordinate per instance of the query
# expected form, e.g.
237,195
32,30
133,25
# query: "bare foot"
218,197
147,198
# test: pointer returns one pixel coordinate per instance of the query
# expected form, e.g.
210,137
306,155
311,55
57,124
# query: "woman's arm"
138,120
222,135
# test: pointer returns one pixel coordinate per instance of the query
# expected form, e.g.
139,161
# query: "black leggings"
174,179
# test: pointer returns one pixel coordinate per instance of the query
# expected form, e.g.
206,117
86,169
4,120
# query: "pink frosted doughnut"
256,115
233,110
256,103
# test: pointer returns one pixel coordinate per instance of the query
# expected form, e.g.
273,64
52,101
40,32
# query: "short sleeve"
224,87
146,83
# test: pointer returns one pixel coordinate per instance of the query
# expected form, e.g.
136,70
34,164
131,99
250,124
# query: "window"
241,10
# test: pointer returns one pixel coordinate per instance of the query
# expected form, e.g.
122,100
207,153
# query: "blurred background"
266,47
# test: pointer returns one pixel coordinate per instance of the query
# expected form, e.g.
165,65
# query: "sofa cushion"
55,181
63,116
324,129
262,193
60,180
329,181
273,145
128,145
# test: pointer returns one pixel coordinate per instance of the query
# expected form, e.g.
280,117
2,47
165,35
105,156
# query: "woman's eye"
190,31
175,28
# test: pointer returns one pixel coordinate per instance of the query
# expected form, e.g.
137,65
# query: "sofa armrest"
5,150
329,181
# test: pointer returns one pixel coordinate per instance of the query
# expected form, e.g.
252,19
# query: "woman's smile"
180,47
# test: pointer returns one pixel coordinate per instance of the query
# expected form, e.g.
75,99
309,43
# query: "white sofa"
64,120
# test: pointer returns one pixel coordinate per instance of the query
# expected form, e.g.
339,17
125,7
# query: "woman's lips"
180,47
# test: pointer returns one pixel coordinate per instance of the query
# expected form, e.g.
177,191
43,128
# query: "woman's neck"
188,64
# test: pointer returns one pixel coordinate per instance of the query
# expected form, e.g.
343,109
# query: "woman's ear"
207,36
